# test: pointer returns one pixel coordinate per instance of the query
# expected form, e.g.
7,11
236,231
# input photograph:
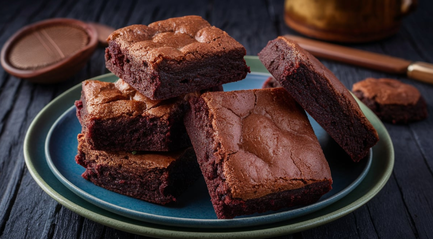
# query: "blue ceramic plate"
193,208
381,168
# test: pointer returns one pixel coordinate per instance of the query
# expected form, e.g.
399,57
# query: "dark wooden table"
402,209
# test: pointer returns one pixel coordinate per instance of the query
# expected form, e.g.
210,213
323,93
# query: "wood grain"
352,56
401,210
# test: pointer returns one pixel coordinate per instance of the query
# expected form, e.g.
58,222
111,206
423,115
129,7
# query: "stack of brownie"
133,139
255,149
133,145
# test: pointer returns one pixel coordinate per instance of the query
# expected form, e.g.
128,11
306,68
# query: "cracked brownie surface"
175,56
257,151
321,94
114,116
391,100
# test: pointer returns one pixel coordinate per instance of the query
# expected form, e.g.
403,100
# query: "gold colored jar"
347,20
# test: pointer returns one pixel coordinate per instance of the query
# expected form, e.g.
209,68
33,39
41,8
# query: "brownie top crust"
182,38
388,91
135,161
106,100
268,142
321,94
301,56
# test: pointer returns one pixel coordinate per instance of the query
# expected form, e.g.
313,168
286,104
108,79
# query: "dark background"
403,209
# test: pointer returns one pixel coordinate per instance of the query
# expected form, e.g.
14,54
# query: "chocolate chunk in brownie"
391,100
154,177
176,56
257,151
321,94
114,116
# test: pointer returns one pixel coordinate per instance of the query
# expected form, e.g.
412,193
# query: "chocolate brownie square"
114,116
176,56
391,100
321,94
154,177
257,151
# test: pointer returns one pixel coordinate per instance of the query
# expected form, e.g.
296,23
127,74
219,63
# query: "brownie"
391,100
321,94
114,116
270,83
154,177
257,151
176,56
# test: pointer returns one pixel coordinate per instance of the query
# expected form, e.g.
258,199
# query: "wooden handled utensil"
421,71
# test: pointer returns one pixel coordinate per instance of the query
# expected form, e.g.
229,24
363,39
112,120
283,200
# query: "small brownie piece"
176,56
321,94
391,100
257,151
114,116
153,177
270,83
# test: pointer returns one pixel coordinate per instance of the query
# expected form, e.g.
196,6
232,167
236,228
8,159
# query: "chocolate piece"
49,51
114,116
321,94
176,56
153,177
270,83
391,100
257,151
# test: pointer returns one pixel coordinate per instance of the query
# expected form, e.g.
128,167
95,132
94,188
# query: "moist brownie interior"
257,151
149,176
175,56
114,116
321,94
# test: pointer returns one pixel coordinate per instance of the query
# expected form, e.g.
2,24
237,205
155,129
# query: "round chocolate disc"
49,51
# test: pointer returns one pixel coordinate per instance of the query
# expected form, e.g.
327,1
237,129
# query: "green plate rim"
374,181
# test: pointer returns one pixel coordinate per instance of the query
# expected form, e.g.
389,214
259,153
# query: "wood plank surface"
403,208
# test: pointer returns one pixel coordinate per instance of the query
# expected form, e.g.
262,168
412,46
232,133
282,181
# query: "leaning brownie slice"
154,177
257,151
321,94
176,56
114,116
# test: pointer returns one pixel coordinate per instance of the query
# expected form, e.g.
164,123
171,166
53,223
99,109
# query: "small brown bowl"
49,51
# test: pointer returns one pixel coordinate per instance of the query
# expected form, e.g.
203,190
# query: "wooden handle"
408,6
421,71
353,56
